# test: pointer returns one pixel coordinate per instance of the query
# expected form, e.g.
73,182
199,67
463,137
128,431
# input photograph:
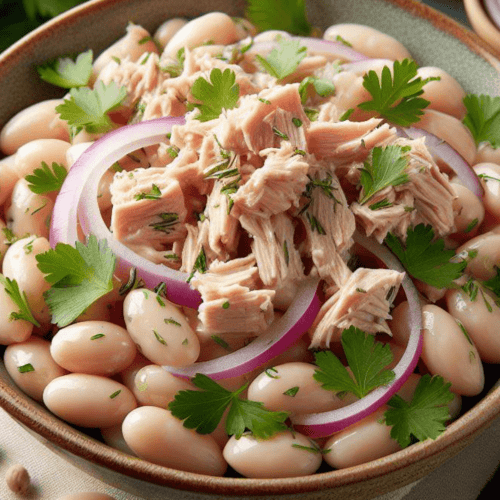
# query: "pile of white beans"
115,382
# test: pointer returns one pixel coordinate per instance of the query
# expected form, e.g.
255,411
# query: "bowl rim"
482,23
36,418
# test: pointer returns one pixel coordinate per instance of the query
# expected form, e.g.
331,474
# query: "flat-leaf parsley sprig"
66,73
396,97
483,118
19,298
45,180
424,416
79,276
203,410
221,92
284,59
425,259
367,359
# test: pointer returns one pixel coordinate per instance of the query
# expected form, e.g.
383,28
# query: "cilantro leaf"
483,118
12,289
79,276
366,358
222,92
47,8
426,261
424,417
203,410
284,59
283,15
88,108
386,169
493,284
396,98
66,73
323,88
44,180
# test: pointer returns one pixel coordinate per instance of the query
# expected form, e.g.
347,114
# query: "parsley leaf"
424,417
203,410
88,108
12,289
483,118
426,261
283,15
222,92
323,87
284,59
366,358
493,284
386,169
66,73
396,98
79,276
44,180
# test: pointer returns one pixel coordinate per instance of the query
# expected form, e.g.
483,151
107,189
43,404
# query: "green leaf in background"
47,8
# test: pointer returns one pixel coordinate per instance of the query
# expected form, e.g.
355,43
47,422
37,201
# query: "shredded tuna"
363,301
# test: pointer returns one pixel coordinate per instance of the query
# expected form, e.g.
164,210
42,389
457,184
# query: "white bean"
95,347
361,442
20,264
487,154
449,352
35,351
88,400
31,155
3,240
368,41
486,251
136,42
470,213
445,95
154,434
127,376
113,436
29,213
168,29
214,27
38,121
291,387
154,386
480,317
271,36
282,455
490,173
160,329
9,177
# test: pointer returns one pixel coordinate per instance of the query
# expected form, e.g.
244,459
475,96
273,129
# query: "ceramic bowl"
482,23
434,40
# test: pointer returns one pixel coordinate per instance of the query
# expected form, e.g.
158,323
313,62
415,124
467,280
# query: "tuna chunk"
426,198
363,301
275,187
147,208
229,304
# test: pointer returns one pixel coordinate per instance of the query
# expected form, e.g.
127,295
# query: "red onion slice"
78,199
279,337
324,424
443,150
336,49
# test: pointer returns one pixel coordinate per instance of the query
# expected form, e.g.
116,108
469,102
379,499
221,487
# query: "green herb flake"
159,338
200,264
343,41
471,225
268,372
292,392
28,367
171,321
185,341
97,336
380,204
154,194
345,116
144,40
297,122
221,342
265,101
225,305
280,134
116,393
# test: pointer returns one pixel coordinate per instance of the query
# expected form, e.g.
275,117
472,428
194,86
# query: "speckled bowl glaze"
434,40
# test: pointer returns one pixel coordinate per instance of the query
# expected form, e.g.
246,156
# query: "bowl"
482,23
434,40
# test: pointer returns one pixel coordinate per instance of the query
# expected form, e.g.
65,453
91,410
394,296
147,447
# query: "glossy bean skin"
368,41
487,154
307,395
11,331
272,458
89,495
35,351
38,121
88,400
154,386
9,177
3,240
160,329
481,319
168,29
113,436
215,27
131,45
31,155
491,185
486,248
361,442
470,213
77,349
445,95
155,435
29,213
20,264
127,376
